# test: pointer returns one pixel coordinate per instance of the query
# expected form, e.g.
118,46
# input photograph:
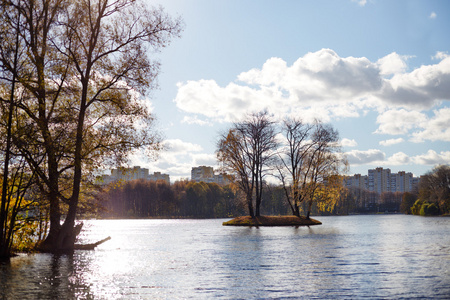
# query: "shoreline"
272,221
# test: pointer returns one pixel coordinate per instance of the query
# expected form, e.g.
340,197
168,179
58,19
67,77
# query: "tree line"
144,198
188,199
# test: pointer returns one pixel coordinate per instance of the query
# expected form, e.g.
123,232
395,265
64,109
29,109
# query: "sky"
378,71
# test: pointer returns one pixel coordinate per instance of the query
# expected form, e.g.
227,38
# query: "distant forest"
147,199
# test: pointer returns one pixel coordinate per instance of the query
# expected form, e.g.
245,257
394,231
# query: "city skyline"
387,181
377,71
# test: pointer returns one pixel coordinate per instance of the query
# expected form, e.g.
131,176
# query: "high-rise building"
402,182
381,180
128,174
206,174
202,173
158,176
356,181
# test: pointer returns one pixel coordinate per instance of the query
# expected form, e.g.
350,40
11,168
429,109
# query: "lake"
374,256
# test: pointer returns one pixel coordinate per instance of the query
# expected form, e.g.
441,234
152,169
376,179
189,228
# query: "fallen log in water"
90,246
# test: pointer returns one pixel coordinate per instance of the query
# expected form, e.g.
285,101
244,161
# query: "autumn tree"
310,157
323,162
331,194
16,177
434,187
408,200
247,151
86,66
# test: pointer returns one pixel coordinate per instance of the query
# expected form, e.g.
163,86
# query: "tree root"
90,246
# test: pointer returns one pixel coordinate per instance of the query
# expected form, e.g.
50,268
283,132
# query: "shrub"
429,209
416,208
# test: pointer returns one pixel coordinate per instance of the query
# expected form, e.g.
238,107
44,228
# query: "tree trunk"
61,241
258,197
61,238
309,209
257,209
297,210
250,205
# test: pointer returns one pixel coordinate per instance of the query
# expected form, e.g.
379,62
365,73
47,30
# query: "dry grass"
271,221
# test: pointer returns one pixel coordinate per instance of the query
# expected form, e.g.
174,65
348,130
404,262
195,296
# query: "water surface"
387,256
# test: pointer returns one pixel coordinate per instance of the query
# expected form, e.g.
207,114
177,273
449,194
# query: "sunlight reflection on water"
391,256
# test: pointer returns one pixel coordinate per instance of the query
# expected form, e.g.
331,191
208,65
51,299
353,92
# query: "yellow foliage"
328,195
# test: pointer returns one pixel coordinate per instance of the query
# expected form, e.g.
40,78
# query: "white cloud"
204,159
178,146
415,124
358,157
392,64
348,143
195,120
360,2
322,84
399,121
433,15
420,88
272,72
391,142
432,158
398,158
178,159
224,104
440,55
436,128
375,156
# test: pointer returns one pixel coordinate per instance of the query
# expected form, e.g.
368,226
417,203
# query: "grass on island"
272,221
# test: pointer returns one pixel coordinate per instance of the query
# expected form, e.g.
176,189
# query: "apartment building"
202,173
206,174
381,180
128,174
158,176
357,181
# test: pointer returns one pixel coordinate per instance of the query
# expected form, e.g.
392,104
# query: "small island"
272,221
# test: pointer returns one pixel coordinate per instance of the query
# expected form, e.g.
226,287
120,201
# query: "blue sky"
378,71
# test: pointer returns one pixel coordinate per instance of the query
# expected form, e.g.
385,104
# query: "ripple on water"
346,257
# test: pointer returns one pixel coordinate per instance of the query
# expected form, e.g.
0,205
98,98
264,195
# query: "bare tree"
293,157
247,150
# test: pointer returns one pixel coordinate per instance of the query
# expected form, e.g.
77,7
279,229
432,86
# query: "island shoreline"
271,221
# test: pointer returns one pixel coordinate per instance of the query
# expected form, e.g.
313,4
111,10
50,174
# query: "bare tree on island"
293,158
310,157
245,151
86,64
